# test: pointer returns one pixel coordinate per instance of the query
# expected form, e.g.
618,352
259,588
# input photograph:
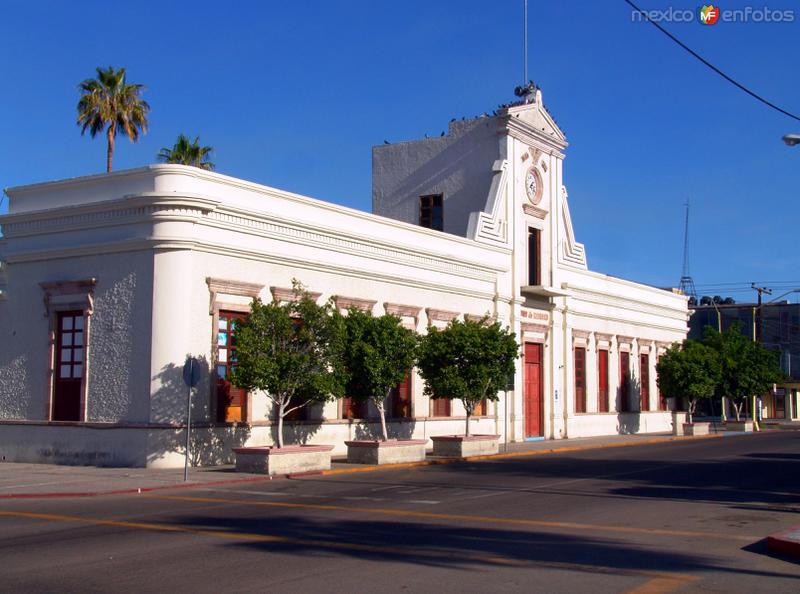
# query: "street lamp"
792,139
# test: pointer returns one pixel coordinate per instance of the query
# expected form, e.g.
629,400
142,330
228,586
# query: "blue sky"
294,94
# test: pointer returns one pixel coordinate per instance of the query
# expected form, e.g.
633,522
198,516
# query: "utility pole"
757,316
757,337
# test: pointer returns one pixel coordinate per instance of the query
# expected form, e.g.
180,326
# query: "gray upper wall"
457,165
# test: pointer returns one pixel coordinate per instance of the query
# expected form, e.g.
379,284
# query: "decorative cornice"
288,294
624,339
400,310
231,287
534,211
234,287
348,302
479,317
344,241
535,138
580,333
602,337
621,302
83,288
131,208
537,328
440,315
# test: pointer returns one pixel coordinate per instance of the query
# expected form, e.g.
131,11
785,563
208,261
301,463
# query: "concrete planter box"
678,420
745,426
393,451
696,428
286,460
464,446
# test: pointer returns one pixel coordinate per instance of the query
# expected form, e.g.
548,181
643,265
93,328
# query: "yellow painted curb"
557,450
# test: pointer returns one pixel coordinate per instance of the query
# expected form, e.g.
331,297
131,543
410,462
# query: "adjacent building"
109,282
777,327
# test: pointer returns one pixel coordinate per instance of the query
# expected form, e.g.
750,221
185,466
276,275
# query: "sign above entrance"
534,314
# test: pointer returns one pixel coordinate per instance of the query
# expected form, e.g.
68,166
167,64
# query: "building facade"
109,282
777,327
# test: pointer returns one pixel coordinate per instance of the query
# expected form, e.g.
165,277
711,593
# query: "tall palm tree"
187,152
109,103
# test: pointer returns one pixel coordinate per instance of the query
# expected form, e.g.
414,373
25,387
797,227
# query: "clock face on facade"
533,185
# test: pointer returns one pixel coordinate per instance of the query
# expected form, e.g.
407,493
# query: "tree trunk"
379,404
468,409
110,133
281,410
737,407
692,405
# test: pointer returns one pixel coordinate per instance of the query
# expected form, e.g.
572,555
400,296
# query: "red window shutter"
580,379
644,389
624,381
602,376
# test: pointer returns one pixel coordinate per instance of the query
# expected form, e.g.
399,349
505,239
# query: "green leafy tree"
291,352
188,152
690,370
748,369
377,354
110,103
469,361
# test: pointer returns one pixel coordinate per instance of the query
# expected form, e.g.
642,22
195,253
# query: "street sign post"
191,375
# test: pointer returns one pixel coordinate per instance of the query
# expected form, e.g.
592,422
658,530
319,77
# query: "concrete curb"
557,450
786,542
365,468
132,490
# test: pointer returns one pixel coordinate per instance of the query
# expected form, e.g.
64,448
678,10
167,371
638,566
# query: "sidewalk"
19,481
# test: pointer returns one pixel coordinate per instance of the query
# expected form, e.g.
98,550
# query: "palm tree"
109,102
186,152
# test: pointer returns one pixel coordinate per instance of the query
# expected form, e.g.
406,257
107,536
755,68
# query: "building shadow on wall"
298,429
210,443
628,406
395,428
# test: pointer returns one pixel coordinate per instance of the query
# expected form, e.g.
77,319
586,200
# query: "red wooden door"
602,377
353,409
532,390
580,380
400,399
231,401
644,390
69,366
624,381
440,407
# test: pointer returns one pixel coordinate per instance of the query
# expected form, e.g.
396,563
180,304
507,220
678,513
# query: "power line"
710,65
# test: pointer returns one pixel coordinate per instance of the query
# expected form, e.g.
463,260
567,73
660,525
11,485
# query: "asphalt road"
686,516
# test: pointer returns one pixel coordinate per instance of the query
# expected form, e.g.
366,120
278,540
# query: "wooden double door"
231,400
533,400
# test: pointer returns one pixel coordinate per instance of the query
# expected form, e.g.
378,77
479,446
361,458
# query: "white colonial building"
109,282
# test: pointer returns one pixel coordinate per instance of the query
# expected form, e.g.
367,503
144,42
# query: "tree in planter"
469,361
691,370
748,369
291,352
377,353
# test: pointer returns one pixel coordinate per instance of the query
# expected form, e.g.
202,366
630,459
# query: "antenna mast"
687,283
525,42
